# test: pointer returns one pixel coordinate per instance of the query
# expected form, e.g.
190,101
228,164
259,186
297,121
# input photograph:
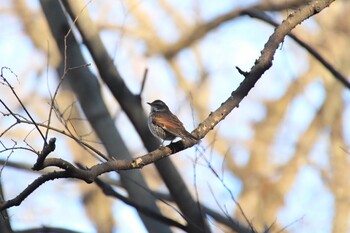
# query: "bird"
164,124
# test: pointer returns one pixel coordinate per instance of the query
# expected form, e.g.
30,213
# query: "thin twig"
264,17
145,73
231,194
20,102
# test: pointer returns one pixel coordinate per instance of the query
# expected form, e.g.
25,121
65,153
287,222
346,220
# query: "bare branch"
44,153
143,81
109,191
20,101
339,76
261,65
199,31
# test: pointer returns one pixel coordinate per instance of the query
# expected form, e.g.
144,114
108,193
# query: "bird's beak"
148,103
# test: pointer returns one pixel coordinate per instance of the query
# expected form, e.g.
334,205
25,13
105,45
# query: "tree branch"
199,31
340,77
20,101
109,191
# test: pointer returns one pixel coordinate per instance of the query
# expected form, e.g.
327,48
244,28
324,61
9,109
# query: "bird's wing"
168,122
171,124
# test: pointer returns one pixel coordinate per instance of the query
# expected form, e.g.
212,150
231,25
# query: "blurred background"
283,154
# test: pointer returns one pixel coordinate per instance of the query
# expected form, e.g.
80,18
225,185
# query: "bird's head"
158,106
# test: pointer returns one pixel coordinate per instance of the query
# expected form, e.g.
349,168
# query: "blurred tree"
268,164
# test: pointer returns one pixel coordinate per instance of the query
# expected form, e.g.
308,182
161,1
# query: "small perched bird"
164,124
